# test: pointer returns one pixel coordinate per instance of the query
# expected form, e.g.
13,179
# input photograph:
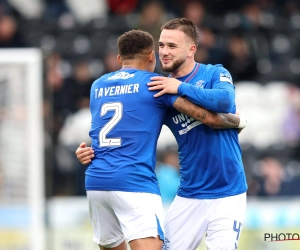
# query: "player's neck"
135,65
183,70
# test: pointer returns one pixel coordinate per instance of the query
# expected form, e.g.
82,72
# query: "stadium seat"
264,107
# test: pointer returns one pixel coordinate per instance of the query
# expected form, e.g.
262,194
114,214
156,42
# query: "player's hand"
84,154
165,84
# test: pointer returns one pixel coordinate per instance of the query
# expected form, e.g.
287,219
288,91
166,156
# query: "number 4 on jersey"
238,231
117,107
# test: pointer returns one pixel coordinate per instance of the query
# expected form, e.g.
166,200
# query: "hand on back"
84,154
166,85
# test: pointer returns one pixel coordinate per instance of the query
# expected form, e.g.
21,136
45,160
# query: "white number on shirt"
118,108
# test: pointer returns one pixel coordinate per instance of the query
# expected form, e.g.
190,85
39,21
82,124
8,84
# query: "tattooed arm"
211,119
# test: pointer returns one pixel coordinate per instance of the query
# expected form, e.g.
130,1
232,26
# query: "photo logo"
276,237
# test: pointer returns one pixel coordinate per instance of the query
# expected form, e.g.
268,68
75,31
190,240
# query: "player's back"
126,122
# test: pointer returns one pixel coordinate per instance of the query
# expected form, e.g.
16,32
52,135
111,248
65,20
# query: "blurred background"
258,41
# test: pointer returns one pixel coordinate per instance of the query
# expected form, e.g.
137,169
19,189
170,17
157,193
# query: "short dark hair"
186,26
135,43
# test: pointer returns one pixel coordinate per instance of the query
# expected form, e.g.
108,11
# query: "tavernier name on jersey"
118,90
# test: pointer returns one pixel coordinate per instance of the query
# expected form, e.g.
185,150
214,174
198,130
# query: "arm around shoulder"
211,119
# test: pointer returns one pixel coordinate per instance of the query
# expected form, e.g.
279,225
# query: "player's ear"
152,56
151,61
119,59
193,49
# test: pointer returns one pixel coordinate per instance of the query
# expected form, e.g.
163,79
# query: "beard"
173,67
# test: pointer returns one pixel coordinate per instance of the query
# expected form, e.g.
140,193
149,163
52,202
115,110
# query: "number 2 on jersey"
117,107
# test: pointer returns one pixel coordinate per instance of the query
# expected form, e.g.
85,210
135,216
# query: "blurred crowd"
256,40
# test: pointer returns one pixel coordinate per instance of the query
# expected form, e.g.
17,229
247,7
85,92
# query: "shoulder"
214,67
149,74
219,71
145,76
101,78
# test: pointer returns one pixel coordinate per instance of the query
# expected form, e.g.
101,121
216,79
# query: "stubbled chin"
166,68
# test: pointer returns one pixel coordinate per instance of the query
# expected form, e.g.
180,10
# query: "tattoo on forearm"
202,115
214,120
229,120
190,109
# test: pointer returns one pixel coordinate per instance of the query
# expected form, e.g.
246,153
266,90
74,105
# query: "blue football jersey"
126,122
210,159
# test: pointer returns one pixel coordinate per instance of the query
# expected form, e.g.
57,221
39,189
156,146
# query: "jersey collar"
189,76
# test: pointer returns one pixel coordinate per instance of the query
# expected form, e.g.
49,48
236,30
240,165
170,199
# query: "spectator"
196,12
291,123
55,8
110,62
239,59
290,6
79,85
152,18
58,93
210,48
122,7
10,37
251,14
275,180
4,7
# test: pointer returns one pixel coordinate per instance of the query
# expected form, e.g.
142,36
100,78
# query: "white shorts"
117,215
189,219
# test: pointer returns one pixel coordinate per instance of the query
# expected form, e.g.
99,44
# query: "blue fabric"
218,94
124,135
210,160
